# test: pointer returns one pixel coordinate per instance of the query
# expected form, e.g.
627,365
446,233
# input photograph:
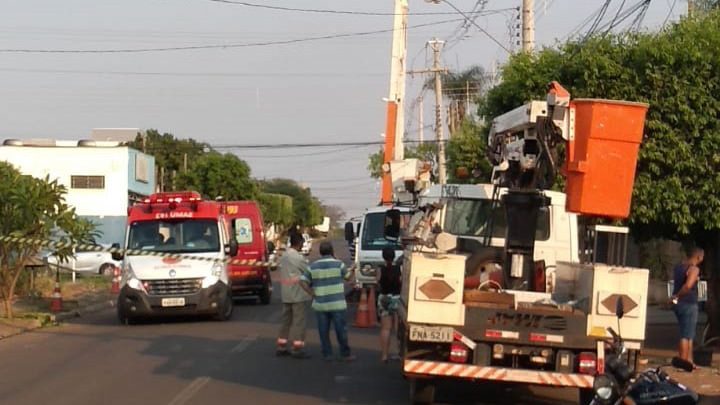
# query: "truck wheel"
585,396
265,295
422,391
225,313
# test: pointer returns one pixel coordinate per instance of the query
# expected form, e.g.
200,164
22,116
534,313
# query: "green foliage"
170,153
307,210
33,208
675,71
214,174
466,152
277,209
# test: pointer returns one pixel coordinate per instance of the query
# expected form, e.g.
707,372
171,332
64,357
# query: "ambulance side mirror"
231,249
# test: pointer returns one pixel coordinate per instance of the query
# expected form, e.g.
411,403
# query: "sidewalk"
661,337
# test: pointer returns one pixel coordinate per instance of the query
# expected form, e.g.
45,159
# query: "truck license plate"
421,333
173,302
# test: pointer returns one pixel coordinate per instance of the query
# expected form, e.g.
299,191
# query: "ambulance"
156,283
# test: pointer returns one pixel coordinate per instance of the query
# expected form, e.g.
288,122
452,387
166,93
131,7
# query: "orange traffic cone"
115,288
362,319
56,302
372,307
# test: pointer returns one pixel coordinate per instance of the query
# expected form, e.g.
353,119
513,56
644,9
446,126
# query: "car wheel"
106,269
225,313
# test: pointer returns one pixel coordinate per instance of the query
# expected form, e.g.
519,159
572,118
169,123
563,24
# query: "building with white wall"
102,178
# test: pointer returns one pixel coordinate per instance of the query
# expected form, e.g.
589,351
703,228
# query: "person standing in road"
389,279
294,298
327,278
685,300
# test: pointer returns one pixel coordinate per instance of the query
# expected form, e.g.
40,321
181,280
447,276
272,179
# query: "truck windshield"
470,218
373,232
176,236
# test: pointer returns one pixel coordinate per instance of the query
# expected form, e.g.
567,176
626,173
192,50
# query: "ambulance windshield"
176,236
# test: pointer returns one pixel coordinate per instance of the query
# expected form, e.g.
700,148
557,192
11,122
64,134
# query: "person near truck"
326,282
685,300
294,298
389,279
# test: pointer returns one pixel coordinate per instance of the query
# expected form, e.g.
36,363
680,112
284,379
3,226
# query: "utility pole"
691,8
437,47
185,162
437,70
421,124
528,26
395,124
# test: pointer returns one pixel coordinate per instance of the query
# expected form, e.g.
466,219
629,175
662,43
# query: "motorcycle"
621,385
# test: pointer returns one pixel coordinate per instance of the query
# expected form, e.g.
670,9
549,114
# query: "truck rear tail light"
587,363
503,334
458,353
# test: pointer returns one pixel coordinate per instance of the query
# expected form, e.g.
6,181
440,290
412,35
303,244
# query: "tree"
335,213
675,71
171,154
276,209
467,162
306,208
36,209
214,174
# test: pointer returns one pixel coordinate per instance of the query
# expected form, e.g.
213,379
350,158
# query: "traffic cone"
115,288
362,319
372,307
56,302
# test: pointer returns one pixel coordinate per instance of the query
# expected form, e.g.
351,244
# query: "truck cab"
175,259
466,214
370,241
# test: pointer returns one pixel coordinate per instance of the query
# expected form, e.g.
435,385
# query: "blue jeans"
337,318
687,316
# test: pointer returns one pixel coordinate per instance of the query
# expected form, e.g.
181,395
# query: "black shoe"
282,352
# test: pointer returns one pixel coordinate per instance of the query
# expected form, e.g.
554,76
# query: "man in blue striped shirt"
327,278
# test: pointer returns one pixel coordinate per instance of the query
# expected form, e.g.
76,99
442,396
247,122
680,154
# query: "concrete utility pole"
395,124
528,26
436,46
691,8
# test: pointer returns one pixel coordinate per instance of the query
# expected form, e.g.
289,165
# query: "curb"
63,316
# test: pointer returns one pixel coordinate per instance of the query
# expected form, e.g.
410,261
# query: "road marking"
244,343
187,393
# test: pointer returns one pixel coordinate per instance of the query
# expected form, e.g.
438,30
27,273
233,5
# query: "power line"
224,46
477,26
308,145
196,74
302,154
670,12
331,11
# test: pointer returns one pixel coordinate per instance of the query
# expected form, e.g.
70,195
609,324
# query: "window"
175,236
373,231
470,218
243,230
87,181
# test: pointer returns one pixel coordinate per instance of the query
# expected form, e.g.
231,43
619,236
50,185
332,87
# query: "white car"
86,262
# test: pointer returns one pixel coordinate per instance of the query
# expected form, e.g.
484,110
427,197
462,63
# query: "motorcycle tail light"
587,363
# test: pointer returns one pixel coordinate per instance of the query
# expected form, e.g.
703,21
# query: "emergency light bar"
185,196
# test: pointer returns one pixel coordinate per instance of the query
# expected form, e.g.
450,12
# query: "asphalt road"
94,360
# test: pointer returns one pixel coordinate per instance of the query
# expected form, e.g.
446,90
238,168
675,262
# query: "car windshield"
177,236
470,218
373,232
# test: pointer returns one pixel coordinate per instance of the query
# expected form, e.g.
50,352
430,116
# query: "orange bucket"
601,159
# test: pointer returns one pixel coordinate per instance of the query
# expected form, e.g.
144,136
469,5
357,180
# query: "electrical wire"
302,154
224,46
196,74
331,11
310,145
597,21
477,26
669,12
617,14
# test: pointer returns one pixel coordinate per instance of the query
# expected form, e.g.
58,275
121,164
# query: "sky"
328,90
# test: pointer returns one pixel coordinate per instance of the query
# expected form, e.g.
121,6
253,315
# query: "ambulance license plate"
419,333
173,302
